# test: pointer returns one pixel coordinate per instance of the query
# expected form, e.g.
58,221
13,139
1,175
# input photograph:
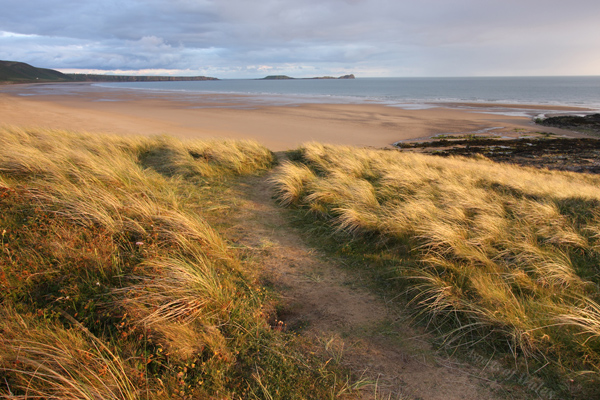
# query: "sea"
409,93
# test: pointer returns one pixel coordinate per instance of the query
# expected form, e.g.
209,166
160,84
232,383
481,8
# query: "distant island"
19,72
285,77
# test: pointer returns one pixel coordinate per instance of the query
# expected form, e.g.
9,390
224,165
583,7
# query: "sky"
305,38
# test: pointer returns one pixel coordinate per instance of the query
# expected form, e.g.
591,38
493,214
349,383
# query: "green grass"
494,256
114,286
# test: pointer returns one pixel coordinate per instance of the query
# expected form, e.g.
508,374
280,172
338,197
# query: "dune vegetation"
491,255
113,285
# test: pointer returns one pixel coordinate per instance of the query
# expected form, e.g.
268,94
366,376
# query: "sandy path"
337,312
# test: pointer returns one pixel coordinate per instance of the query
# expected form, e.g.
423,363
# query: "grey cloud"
455,37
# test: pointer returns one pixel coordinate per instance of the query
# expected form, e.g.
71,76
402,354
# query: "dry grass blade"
181,291
51,362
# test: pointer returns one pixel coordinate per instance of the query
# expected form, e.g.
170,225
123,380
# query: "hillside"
18,72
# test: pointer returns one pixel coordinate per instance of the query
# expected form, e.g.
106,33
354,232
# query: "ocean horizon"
544,93
572,91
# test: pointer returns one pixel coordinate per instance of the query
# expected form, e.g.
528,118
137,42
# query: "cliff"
130,78
19,72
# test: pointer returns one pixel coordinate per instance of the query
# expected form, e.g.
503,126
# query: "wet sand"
85,108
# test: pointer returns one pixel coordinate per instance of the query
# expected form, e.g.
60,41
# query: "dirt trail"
357,327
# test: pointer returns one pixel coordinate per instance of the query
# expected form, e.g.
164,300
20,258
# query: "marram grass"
113,286
506,254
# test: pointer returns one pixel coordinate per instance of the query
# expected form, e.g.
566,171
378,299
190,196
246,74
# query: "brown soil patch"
330,306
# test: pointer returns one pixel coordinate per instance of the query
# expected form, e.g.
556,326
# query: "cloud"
376,37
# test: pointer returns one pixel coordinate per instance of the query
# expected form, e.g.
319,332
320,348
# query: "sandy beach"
232,116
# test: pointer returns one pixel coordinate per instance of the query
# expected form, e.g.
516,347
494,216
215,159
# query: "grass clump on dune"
505,255
113,286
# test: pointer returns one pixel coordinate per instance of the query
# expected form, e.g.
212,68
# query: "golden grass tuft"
290,182
47,361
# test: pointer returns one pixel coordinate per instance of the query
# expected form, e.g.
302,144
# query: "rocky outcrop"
588,124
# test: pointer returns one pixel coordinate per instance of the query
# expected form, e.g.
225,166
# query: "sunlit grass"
49,361
505,254
114,286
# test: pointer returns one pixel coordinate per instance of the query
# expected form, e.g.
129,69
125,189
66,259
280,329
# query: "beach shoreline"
128,112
